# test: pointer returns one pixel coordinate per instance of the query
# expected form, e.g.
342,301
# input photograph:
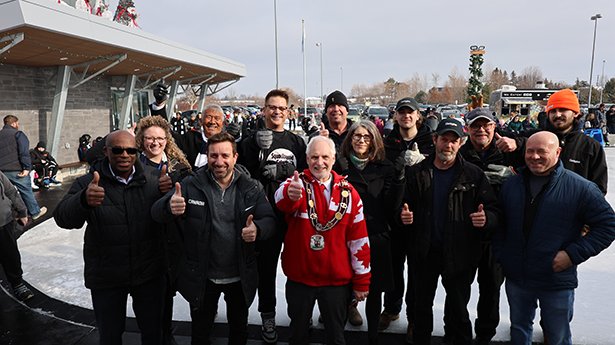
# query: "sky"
366,41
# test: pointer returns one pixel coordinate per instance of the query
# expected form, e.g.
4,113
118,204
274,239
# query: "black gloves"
264,139
278,171
234,129
161,93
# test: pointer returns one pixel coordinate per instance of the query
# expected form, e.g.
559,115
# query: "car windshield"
378,111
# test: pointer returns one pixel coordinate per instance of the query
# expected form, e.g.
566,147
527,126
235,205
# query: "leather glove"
413,156
234,129
264,139
278,171
400,167
161,93
497,174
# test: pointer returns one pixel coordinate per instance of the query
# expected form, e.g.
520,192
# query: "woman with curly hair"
158,149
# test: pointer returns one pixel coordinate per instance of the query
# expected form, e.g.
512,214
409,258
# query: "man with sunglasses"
481,150
271,155
123,247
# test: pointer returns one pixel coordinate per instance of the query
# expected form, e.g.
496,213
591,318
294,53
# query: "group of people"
209,212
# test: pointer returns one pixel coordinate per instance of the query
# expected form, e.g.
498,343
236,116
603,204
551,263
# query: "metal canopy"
56,35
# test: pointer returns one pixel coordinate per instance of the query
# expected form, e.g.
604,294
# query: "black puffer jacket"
196,224
123,246
461,239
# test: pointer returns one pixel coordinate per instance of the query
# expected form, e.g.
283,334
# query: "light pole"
342,78
602,80
319,44
275,29
591,70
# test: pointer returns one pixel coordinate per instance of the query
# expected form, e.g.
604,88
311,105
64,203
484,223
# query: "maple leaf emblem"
362,255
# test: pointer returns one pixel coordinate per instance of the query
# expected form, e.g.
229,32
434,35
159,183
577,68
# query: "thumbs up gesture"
248,233
323,131
295,188
94,194
164,182
407,216
177,202
479,218
413,156
505,144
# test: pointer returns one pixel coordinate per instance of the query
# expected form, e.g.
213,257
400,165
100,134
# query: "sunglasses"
119,150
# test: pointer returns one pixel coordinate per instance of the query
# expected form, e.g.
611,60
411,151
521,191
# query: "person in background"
178,124
45,166
292,118
15,163
123,247
12,211
326,225
158,150
380,185
222,212
541,244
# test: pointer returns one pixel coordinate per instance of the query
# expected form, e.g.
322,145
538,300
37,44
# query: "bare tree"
457,84
529,76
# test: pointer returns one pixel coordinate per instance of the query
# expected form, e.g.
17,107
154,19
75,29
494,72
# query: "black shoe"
482,341
22,292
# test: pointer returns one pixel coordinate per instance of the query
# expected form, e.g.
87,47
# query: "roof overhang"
519,100
58,35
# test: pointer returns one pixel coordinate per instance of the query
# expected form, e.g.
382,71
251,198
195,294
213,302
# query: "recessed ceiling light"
63,58
136,69
181,76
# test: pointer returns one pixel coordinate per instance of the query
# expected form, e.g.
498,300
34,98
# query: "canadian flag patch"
359,254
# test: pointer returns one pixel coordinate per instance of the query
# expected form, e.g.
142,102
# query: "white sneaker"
35,187
40,213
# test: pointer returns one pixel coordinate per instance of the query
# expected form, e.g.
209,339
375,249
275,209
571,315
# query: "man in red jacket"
326,249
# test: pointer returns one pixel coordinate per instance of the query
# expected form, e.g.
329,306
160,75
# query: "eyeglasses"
158,139
119,150
274,108
366,137
485,126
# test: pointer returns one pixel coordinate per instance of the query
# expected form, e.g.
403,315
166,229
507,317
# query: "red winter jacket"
345,257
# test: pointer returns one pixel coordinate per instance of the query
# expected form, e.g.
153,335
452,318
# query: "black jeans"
333,305
236,312
393,299
147,302
457,289
267,261
9,254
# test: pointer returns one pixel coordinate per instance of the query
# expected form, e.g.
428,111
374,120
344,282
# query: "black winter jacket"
394,144
195,226
380,191
461,239
123,246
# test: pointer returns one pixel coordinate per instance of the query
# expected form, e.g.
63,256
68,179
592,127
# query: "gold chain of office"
341,209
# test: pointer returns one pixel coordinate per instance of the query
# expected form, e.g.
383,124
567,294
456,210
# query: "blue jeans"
24,186
556,308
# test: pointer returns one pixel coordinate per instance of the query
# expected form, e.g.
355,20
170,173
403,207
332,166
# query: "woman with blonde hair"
158,149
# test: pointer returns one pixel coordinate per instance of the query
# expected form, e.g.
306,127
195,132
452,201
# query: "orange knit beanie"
563,99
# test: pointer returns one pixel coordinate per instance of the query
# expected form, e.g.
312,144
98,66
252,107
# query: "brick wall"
27,93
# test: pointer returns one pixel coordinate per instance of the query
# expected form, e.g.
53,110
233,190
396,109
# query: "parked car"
376,110
353,114
310,111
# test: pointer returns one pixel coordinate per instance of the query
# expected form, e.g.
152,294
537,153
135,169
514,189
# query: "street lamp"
275,29
319,44
602,80
591,70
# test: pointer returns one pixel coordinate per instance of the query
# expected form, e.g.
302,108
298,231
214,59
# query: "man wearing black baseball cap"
448,204
481,150
412,140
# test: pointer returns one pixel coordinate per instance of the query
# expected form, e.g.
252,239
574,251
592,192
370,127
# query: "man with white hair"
325,226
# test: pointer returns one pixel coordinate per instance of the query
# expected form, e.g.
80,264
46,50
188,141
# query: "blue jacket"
568,202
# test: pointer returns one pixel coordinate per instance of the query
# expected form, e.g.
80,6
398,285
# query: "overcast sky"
374,40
